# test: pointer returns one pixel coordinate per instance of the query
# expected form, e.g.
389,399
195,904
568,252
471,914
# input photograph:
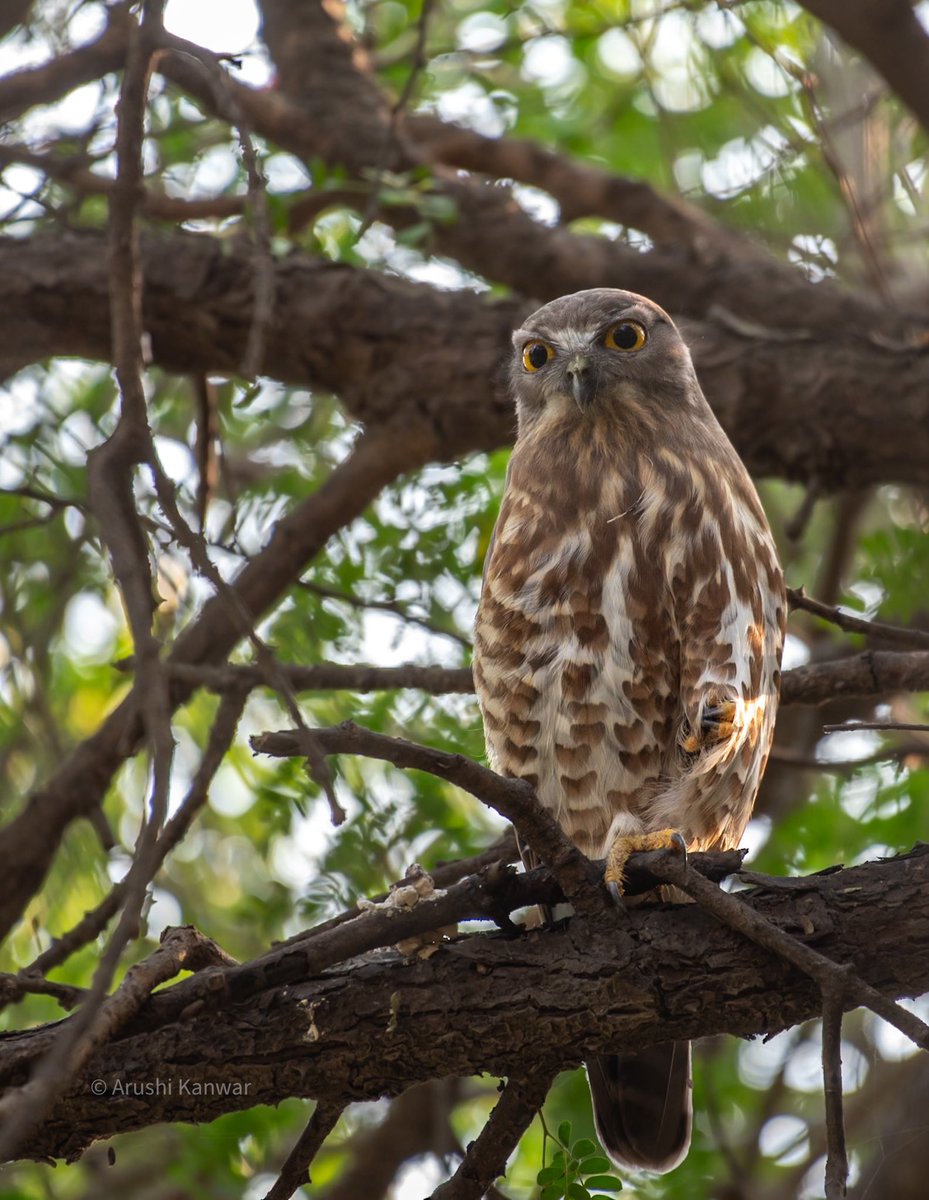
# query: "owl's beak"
583,381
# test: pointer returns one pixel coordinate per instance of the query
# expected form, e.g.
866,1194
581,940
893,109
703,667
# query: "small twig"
895,634
836,1154
732,912
295,1172
846,766
205,445
485,1158
25,983
77,175
854,726
267,661
390,133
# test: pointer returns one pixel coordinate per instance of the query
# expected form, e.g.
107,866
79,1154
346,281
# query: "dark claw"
678,844
712,715
615,894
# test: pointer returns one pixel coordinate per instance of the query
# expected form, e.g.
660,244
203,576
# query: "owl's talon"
718,721
623,848
717,724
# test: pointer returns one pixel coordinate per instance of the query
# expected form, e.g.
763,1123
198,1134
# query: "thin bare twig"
846,766
854,726
295,1172
893,634
267,660
25,983
795,527
355,677
227,106
392,606
836,1154
205,445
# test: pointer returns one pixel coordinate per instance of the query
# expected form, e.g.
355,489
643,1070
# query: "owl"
630,628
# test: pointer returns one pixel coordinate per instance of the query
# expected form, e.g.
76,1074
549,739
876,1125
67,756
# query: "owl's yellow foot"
623,847
717,723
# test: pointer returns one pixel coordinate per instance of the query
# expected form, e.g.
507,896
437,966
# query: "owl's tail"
643,1105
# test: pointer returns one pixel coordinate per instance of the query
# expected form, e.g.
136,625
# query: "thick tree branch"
820,411
493,236
551,997
873,673
891,37
581,189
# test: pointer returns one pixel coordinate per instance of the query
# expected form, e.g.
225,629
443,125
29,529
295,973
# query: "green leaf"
609,1183
584,1148
597,1164
564,1133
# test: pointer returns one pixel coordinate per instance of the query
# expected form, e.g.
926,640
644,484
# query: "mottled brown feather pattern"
632,580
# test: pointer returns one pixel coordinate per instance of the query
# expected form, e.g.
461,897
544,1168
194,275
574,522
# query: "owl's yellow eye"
626,336
536,355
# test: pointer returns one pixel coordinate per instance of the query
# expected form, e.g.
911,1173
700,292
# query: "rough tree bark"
548,998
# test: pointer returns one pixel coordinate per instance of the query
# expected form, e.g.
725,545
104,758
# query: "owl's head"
601,352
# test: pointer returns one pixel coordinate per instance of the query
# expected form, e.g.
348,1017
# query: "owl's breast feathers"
624,593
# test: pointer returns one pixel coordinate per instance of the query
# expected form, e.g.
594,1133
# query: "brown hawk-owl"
629,634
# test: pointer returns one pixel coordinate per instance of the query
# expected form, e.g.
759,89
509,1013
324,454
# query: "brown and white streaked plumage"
630,628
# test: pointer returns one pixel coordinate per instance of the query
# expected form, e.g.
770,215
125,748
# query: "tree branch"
891,37
62,74
295,1172
617,979
821,411
485,1159
877,630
